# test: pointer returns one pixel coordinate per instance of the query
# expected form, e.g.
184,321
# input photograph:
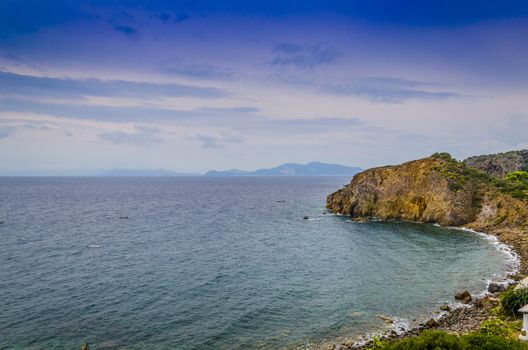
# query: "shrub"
443,155
512,300
438,340
491,342
515,184
494,326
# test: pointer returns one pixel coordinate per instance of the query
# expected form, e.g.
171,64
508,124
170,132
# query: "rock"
123,217
464,297
85,346
445,308
1,222
385,318
305,217
432,323
488,301
495,287
522,284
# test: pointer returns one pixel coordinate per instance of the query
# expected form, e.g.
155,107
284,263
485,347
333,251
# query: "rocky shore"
439,189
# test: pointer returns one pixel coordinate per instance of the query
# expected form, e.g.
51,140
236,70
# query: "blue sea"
215,263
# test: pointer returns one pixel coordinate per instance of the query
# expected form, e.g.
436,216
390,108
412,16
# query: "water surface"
213,263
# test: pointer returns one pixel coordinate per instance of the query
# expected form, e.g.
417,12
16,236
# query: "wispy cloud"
142,135
211,141
27,85
303,56
199,71
380,89
127,30
128,114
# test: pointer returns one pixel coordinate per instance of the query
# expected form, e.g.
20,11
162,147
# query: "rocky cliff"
500,164
437,189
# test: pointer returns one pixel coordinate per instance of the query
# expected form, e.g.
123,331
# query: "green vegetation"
459,175
438,340
514,184
498,333
512,300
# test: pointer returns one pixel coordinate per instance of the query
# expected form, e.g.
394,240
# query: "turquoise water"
213,263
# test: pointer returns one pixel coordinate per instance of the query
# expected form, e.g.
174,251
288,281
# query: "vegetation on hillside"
515,184
459,174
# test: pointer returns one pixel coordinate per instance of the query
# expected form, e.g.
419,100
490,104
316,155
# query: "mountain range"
287,169
293,169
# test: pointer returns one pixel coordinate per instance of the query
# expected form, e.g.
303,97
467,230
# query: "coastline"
462,318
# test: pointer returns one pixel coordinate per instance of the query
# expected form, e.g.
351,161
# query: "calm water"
213,263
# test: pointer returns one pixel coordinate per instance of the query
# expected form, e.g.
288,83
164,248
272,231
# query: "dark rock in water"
495,287
305,217
432,323
281,201
1,222
123,217
85,346
464,297
445,308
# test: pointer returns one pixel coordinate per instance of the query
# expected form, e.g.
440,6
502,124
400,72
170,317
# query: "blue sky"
198,85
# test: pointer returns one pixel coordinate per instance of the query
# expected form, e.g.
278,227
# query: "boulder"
432,323
464,297
305,217
522,284
495,287
85,346
488,301
445,308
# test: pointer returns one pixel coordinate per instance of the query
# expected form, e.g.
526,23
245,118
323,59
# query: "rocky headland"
440,189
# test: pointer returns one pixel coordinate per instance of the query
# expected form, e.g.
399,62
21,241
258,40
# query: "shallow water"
213,263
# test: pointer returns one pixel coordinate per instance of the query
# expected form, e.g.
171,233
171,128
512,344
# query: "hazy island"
487,194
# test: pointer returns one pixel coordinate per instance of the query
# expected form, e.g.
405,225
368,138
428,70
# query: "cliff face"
500,164
435,189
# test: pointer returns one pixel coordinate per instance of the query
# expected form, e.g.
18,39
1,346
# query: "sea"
217,263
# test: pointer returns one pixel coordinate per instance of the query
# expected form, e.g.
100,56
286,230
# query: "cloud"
142,135
198,71
28,85
380,89
128,114
210,141
130,31
302,56
6,131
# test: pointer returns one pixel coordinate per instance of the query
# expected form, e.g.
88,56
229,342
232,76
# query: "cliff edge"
438,189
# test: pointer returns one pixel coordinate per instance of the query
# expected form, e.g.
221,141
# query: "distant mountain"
293,169
135,172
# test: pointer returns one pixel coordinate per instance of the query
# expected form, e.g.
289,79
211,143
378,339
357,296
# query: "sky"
191,86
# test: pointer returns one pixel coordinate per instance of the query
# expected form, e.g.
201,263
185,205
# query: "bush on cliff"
512,300
438,340
516,184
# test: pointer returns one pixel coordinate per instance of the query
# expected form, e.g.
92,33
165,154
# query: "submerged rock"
385,318
464,297
445,308
305,217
